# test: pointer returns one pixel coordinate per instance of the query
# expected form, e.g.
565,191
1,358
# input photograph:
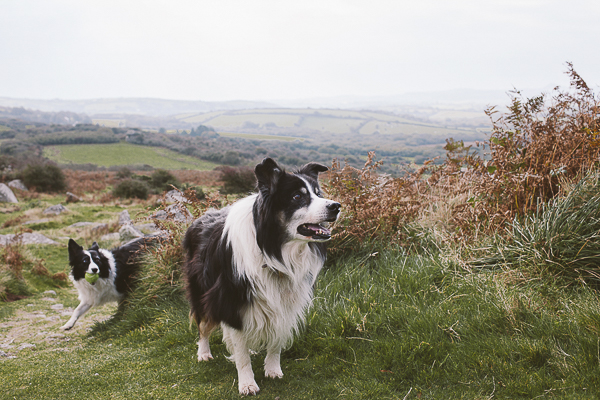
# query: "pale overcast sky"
277,49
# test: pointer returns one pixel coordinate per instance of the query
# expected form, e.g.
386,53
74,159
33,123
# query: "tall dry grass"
81,182
534,148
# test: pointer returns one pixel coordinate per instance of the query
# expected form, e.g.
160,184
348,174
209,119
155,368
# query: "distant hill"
307,121
458,99
139,106
443,114
62,117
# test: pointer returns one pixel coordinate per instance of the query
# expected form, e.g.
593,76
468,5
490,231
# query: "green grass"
381,328
108,155
383,325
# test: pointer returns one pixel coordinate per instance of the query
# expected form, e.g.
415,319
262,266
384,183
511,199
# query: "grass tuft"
561,239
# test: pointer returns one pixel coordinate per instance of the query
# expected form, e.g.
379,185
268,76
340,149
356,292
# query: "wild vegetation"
535,150
472,278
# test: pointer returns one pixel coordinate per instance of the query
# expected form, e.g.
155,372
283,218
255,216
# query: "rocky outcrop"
72,198
175,196
7,195
17,184
26,238
128,232
124,217
174,213
56,209
81,224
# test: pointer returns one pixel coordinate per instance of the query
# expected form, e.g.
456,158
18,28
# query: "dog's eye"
297,196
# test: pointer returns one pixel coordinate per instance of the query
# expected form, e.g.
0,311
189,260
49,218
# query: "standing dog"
116,270
251,266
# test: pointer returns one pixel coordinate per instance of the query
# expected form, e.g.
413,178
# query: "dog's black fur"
258,257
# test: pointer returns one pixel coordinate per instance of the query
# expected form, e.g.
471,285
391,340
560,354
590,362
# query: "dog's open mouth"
314,231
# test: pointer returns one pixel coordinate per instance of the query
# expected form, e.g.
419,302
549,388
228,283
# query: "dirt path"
35,325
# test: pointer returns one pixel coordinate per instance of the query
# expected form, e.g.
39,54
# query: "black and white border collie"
251,266
116,271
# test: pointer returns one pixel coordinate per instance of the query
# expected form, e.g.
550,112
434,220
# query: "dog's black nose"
94,270
334,207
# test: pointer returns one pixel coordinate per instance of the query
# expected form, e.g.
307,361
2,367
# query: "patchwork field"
108,155
324,120
251,136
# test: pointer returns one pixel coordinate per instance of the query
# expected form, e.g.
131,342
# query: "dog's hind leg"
205,328
272,362
81,309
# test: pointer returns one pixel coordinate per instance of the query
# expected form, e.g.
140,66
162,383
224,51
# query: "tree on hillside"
203,130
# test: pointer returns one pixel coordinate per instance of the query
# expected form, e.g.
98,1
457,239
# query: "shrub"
231,158
44,177
374,206
203,130
162,180
124,172
237,180
132,188
196,191
12,260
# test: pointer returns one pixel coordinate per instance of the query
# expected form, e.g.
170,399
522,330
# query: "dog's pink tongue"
318,229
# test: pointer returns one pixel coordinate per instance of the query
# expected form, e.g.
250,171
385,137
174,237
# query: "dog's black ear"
267,175
74,250
95,247
74,247
312,169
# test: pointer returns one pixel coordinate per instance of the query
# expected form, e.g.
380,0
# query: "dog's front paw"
204,356
274,373
248,389
66,327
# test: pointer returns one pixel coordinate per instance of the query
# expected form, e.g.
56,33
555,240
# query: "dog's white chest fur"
281,291
103,291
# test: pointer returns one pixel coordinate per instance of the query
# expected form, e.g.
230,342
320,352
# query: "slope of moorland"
477,278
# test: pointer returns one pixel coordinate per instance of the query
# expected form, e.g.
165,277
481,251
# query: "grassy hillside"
108,155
